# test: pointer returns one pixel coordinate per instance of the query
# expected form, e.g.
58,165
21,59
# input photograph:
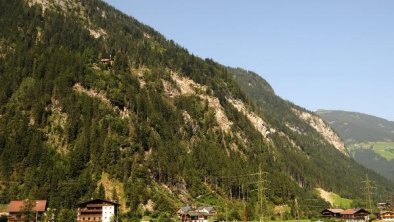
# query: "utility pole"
368,194
297,209
261,192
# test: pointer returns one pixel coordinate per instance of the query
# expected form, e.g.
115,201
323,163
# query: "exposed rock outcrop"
325,130
189,87
257,121
124,113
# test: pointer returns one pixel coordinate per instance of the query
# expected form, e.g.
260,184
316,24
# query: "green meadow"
384,149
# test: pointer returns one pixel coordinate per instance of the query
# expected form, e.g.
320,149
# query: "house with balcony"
97,210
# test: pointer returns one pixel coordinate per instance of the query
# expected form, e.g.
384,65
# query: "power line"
368,193
261,188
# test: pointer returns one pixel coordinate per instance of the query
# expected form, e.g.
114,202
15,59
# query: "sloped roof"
208,209
16,206
184,209
99,200
335,210
353,211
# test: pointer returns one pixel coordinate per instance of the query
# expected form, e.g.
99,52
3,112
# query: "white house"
97,210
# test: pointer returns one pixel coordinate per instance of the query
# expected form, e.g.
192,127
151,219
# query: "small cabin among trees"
107,61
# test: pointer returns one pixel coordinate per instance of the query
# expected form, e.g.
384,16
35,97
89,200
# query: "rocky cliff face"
324,129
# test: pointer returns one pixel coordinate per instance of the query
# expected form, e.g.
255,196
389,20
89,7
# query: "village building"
332,213
97,210
383,206
200,214
386,215
26,210
354,214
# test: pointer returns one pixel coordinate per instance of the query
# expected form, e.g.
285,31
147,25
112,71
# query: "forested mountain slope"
369,139
155,129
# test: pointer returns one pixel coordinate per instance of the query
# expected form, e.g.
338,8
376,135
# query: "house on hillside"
107,61
332,213
97,210
26,210
200,214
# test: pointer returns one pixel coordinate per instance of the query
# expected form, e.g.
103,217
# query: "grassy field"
340,201
334,199
384,149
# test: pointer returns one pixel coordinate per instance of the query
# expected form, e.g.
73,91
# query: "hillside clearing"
384,149
334,199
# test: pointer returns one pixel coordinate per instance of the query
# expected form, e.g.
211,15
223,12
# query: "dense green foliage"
374,161
65,119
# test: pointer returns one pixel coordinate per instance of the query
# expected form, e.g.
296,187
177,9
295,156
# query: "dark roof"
184,209
16,206
99,200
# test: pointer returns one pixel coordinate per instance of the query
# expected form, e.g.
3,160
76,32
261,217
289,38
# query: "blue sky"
336,54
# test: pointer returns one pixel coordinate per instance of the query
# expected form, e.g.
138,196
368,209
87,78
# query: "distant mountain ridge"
368,138
358,127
